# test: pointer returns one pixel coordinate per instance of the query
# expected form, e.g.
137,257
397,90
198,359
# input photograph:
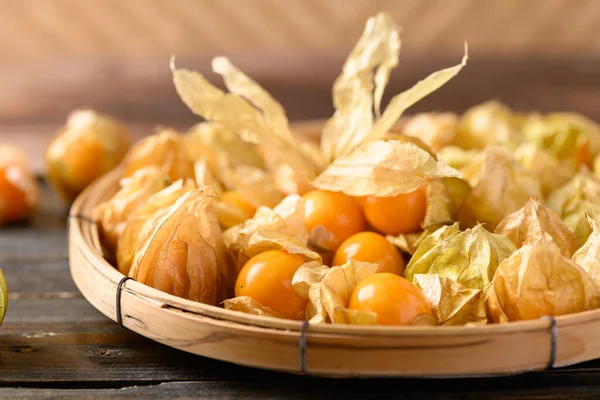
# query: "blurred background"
113,55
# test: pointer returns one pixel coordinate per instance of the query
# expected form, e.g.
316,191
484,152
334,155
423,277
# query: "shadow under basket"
325,349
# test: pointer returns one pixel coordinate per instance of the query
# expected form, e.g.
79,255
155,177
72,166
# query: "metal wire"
118,299
302,346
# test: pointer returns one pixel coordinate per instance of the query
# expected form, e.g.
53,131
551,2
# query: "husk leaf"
469,257
435,129
489,123
330,290
248,110
532,222
588,256
445,198
383,168
265,240
456,157
451,302
537,280
135,190
500,187
165,150
248,305
254,185
578,196
205,176
359,89
307,275
287,218
229,215
184,254
144,218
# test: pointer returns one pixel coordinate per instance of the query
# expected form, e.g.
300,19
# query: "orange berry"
18,187
398,214
267,278
338,213
392,298
370,247
235,199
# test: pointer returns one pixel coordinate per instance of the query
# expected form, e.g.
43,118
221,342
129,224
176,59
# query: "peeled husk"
165,150
500,187
536,281
15,169
255,186
490,123
457,157
248,305
144,218
383,168
451,302
287,218
88,146
435,129
329,295
578,196
205,176
533,221
588,256
218,145
183,254
469,257
112,215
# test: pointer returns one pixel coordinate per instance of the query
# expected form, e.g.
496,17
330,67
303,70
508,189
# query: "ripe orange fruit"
338,213
235,199
267,278
18,187
392,298
370,247
398,214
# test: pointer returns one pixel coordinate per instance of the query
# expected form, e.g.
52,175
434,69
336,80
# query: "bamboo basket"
324,350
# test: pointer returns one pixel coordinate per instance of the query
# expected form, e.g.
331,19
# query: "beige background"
39,30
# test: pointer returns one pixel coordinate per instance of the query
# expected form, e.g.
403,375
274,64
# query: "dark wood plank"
32,277
52,311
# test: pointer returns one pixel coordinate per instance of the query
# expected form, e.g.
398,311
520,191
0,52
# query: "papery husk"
289,182
489,123
500,187
435,129
165,150
583,230
306,276
429,240
451,302
588,256
88,146
456,157
218,145
400,103
533,221
409,242
445,198
144,218
578,196
183,254
248,305
359,89
536,281
15,169
255,186
569,136
205,175
411,139
469,257
286,218
383,168
248,110
266,240
335,289
543,165
112,215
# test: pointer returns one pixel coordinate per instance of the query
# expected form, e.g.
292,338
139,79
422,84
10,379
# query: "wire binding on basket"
554,340
302,346
118,299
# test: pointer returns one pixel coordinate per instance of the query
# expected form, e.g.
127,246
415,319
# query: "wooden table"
54,344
